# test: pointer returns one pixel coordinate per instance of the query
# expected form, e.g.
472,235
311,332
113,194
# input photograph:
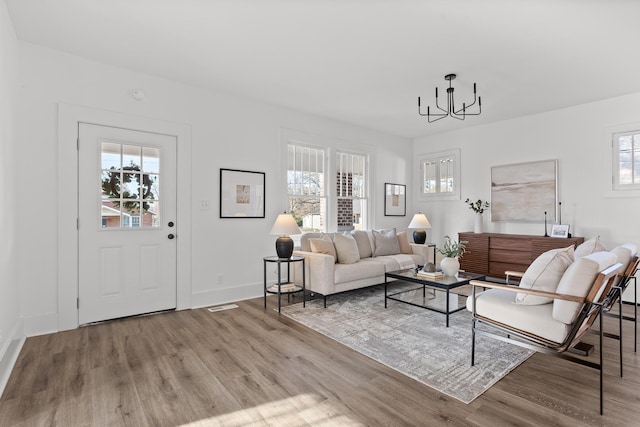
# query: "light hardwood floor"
250,366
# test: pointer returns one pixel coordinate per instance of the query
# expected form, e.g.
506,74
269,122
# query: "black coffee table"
431,300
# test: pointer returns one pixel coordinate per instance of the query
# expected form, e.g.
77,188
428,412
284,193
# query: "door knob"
170,224
171,236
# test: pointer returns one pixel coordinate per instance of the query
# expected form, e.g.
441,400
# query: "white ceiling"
361,61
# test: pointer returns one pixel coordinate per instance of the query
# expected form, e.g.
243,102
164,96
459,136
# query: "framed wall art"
560,230
524,192
242,194
395,201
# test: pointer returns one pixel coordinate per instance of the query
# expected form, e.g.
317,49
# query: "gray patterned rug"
412,340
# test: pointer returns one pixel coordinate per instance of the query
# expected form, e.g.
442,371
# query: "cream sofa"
328,274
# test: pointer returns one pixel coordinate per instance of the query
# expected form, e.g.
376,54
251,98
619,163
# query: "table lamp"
419,222
284,226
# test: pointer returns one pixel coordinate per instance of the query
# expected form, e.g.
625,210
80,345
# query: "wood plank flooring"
252,367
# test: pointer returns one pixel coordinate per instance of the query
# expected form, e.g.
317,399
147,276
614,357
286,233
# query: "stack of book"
430,275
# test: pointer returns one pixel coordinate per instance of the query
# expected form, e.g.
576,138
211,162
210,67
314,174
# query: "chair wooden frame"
603,289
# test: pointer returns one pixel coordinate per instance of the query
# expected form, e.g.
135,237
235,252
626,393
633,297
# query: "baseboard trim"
41,325
10,354
226,295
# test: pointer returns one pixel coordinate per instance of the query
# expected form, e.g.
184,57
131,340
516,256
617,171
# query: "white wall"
10,323
227,132
577,137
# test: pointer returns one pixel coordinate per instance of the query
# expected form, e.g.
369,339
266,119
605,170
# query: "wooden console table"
492,254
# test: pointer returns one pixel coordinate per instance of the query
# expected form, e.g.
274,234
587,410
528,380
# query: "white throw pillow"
403,242
323,246
364,244
346,249
386,244
588,247
577,280
625,253
544,274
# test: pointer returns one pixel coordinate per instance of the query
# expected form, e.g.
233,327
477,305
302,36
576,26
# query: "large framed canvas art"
524,192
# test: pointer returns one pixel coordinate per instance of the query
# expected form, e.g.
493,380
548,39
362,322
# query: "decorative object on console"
242,194
560,230
478,207
451,250
284,226
521,192
545,224
419,222
395,201
450,111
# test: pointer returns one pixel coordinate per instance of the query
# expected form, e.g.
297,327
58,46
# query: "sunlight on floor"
300,410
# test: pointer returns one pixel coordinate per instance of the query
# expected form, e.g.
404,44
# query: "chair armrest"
511,273
537,292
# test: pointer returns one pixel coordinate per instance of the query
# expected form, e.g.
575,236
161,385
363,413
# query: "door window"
129,186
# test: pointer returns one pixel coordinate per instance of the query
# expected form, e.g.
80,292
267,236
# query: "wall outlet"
220,279
205,205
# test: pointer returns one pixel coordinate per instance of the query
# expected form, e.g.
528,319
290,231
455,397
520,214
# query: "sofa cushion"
364,244
577,280
498,305
544,274
323,246
403,243
363,269
588,247
304,240
346,248
385,243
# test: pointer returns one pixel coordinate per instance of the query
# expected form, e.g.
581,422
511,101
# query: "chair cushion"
385,243
544,274
364,244
346,249
625,253
363,269
498,305
588,247
403,242
578,280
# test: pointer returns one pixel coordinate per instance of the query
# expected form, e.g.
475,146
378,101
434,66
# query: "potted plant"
451,250
478,207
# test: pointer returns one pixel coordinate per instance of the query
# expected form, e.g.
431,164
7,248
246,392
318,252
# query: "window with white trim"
626,160
306,183
440,175
351,191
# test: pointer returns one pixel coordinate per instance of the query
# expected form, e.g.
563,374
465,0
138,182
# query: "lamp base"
284,246
419,237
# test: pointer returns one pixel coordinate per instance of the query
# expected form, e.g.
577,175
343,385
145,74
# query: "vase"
450,266
477,227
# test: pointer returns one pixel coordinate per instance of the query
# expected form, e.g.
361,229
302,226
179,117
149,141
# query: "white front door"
127,222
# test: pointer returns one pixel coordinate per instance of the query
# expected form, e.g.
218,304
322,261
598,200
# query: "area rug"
412,340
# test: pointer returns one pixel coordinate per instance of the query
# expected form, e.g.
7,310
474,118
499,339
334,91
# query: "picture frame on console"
395,200
560,230
525,192
242,194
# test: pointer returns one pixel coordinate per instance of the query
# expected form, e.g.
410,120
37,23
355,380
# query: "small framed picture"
560,230
242,194
395,202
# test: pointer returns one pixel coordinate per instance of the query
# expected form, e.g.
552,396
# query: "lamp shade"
419,221
284,226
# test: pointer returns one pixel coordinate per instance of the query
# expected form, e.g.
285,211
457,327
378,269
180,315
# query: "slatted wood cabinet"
492,253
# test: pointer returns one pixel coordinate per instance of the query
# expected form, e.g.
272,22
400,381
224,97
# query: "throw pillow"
364,244
346,249
385,244
590,246
577,280
403,242
544,274
625,253
323,246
